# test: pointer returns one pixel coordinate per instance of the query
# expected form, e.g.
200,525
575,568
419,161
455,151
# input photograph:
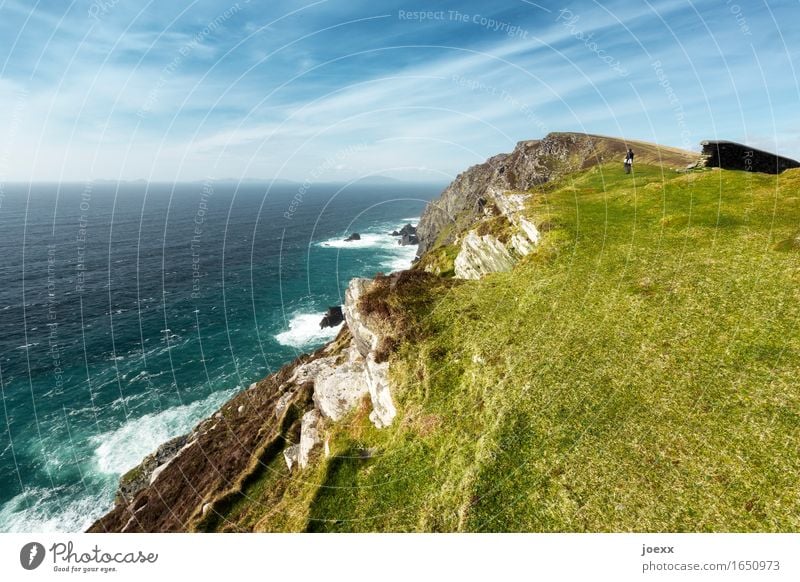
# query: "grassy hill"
637,372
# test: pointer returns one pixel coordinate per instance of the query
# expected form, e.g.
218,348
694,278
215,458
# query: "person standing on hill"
628,161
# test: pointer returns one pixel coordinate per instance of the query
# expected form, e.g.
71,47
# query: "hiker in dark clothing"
628,161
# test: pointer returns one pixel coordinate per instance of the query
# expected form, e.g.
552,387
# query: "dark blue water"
129,312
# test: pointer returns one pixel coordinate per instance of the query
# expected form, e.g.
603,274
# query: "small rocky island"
407,234
332,317
352,237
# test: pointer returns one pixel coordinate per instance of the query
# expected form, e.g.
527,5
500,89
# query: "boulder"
352,237
290,455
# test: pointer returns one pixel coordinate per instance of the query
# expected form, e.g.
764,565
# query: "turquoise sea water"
129,312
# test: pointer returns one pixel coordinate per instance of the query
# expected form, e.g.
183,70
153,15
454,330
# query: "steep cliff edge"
630,364
532,163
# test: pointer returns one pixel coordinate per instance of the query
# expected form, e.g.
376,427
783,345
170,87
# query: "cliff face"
532,163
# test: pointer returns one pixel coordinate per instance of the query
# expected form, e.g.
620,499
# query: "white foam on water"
368,240
304,331
122,449
403,258
143,375
43,510
399,257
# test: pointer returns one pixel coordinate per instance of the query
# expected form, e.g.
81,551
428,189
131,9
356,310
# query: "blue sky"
339,89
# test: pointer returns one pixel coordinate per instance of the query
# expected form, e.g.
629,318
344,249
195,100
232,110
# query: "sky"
344,89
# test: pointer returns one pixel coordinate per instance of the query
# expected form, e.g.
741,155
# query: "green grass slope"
638,372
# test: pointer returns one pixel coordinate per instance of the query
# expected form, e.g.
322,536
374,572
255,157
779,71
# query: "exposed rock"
508,203
383,410
521,244
332,317
310,370
730,155
365,340
338,389
409,239
352,237
310,436
214,456
156,472
529,229
290,455
480,255
407,234
282,403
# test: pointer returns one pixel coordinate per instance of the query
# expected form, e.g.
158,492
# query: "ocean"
128,312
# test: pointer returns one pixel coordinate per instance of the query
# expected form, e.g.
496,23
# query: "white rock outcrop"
529,229
310,370
338,389
340,384
509,203
481,255
364,338
283,402
383,410
310,436
290,455
366,342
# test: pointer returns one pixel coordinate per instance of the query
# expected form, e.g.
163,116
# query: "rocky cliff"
531,164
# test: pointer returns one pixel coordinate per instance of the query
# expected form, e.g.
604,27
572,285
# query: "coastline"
278,397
